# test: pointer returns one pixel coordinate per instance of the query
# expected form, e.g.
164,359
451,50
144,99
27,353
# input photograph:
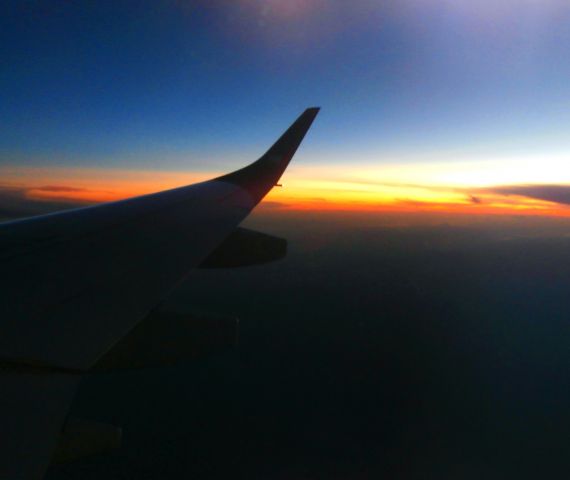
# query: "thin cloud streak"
59,188
15,202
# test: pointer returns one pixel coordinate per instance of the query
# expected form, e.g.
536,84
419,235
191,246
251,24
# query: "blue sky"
208,85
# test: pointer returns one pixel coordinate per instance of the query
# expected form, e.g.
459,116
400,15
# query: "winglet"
262,175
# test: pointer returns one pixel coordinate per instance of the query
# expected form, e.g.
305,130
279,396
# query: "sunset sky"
429,105
417,327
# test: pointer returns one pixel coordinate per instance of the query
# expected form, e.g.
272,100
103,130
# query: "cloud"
15,202
475,200
550,193
58,188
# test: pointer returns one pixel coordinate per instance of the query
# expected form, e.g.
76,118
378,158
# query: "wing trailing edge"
168,337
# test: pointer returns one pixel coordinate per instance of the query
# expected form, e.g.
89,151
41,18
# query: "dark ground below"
370,352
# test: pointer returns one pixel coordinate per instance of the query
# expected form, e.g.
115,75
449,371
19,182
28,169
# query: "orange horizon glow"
303,189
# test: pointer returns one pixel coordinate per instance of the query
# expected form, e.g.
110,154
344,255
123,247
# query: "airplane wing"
75,283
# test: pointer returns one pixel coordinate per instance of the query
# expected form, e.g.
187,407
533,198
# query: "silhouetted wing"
74,283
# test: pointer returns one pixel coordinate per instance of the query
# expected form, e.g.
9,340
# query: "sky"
375,349
430,105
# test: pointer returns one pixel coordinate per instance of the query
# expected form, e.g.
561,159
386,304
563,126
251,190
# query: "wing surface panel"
119,272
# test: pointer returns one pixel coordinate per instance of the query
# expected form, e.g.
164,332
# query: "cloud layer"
551,193
16,202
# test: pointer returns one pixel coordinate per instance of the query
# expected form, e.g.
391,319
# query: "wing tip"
259,177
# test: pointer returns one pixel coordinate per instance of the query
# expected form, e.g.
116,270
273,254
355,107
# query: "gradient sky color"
423,101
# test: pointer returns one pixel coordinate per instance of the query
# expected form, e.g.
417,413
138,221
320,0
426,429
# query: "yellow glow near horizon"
431,185
471,172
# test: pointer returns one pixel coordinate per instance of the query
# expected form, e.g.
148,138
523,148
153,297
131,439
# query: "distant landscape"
378,348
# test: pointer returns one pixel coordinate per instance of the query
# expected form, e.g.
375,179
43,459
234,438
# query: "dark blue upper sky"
204,85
